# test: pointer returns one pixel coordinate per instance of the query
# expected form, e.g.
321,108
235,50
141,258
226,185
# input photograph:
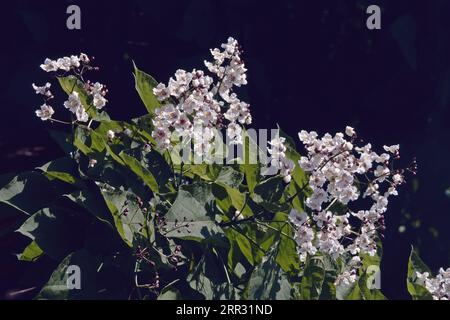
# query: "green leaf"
92,202
55,230
128,216
416,289
201,191
268,193
313,278
27,192
251,172
169,294
144,86
97,280
230,177
239,244
63,169
209,279
268,282
140,171
31,253
188,219
71,84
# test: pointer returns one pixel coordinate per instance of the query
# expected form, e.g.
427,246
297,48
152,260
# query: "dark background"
312,65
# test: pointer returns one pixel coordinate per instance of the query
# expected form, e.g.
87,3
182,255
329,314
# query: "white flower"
110,134
74,61
92,163
198,99
398,178
84,58
45,112
346,278
162,137
183,125
238,215
49,65
297,218
64,63
381,172
99,101
439,286
81,114
43,90
73,103
339,173
161,92
350,131
392,149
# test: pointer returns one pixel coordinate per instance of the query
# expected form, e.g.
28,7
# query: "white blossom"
45,112
439,286
43,90
73,103
199,99
92,163
342,173
392,149
110,134
346,278
349,131
49,65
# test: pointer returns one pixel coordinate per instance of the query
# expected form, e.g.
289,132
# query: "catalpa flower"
43,90
342,173
75,106
64,63
197,98
45,112
439,286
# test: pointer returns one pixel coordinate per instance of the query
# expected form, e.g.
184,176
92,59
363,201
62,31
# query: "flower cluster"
194,104
340,174
277,150
65,63
77,65
439,286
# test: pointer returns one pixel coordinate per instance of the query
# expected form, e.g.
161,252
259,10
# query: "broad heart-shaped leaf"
63,169
369,275
128,216
71,84
415,288
97,279
55,230
251,173
209,279
93,202
144,86
169,294
230,177
142,172
201,191
28,192
268,193
313,278
31,253
268,281
188,219
240,244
